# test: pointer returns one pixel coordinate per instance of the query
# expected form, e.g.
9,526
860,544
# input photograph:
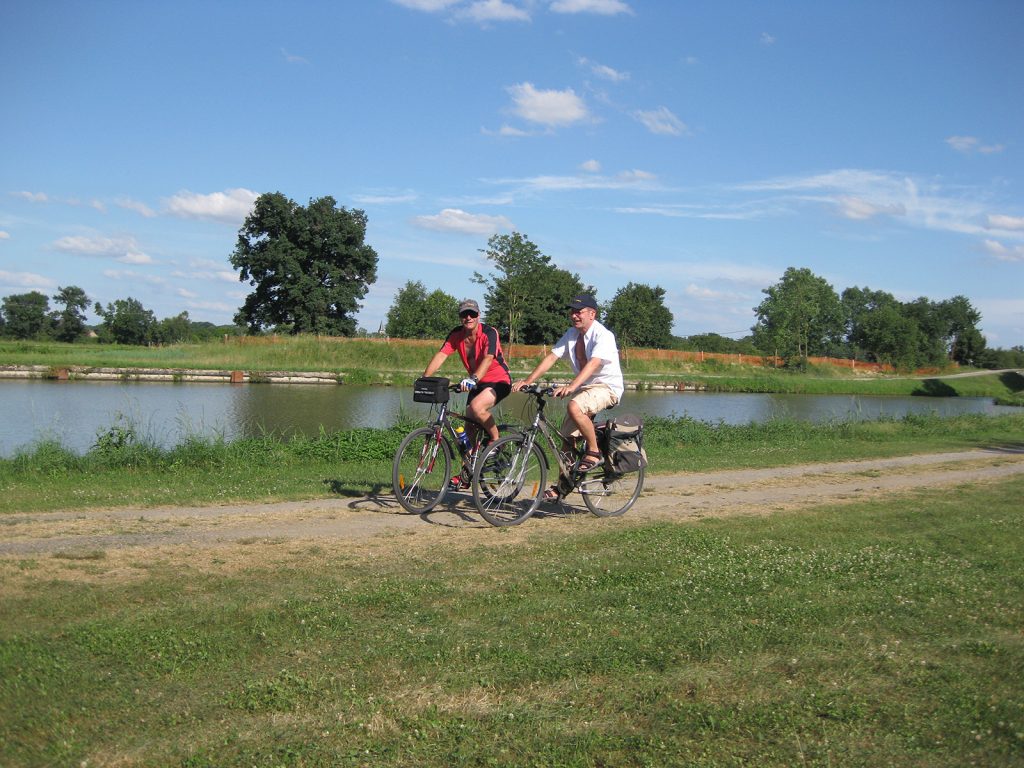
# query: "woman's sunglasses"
468,313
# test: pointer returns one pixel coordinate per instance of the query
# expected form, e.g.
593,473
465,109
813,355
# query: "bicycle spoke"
508,481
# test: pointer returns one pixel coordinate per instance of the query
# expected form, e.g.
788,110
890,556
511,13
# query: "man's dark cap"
583,300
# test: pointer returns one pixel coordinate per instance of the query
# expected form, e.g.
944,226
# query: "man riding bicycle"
488,381
591,350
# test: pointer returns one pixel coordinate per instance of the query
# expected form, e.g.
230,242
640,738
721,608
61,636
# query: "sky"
703,147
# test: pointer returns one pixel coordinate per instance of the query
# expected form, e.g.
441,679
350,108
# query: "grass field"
368,361
885,633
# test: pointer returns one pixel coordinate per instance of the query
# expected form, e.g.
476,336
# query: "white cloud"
602,7
858,209
457,220
550,108
507,130
25,280
133,276
123,249
483,11
429,6
98,205
385,198
921,202
996,221
32,197
5,235
1002,252
767,39
603,71
970,144
230,206
590,166
291,58
636,175
636,180
186,294
134,205
661,121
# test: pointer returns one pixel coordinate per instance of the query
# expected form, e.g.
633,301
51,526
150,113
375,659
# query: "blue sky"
700,146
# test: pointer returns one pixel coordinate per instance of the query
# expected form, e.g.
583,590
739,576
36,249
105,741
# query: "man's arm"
435,363
593,366
536,373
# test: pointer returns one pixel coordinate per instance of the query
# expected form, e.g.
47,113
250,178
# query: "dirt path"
379,519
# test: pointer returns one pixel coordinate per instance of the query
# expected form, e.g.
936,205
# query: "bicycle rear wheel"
608,494
508,481
421,470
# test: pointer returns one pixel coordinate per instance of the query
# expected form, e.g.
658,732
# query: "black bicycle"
421,473
510,478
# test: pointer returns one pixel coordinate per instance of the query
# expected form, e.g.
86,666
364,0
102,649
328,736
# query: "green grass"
365,361
877,633
124,469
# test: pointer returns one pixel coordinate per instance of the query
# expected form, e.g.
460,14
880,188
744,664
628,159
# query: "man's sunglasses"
468,313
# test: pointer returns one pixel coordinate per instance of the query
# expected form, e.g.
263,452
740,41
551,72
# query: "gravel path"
350,521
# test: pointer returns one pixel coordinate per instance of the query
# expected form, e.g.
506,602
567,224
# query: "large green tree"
26,315
126,321
416,314
309,266
639,318
800,316
69,323
526,295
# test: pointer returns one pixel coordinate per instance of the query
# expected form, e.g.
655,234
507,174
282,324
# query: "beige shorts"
591,400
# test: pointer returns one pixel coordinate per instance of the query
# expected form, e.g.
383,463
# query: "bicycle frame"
567,461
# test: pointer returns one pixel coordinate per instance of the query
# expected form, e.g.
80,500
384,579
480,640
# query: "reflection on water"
74,412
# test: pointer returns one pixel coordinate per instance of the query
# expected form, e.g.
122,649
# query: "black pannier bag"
430,389
624,444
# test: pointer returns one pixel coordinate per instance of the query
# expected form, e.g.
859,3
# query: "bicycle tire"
421,470
608,494
508,482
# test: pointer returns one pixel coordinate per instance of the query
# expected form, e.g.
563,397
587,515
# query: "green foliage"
801,316
69,323
415,314
126,321
527,297
309,266
26,315
638,317
713,342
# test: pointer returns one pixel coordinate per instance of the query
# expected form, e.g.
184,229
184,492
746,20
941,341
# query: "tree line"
309,267
124,321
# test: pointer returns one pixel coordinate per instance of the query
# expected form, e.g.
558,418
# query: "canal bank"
199,376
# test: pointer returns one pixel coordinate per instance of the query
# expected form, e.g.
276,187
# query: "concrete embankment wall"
82,373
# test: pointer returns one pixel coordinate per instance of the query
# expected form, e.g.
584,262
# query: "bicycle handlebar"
537,389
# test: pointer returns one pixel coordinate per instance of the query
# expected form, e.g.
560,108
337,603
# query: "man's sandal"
552,494
591,460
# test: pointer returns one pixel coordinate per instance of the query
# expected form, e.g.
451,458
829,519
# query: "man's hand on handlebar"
564,391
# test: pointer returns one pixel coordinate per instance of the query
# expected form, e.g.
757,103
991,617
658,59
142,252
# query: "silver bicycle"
510,477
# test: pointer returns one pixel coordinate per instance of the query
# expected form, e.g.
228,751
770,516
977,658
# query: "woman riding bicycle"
488,381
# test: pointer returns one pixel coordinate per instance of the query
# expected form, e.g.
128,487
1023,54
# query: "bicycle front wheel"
608,494
509,480
421,470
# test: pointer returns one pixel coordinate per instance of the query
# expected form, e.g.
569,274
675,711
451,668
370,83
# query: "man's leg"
479,408
581,411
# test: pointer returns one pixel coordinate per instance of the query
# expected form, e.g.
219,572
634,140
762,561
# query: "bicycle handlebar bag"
430,389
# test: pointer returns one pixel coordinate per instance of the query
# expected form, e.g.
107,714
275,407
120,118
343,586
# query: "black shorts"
501,390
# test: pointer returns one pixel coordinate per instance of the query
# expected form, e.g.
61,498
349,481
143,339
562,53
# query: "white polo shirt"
600,343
